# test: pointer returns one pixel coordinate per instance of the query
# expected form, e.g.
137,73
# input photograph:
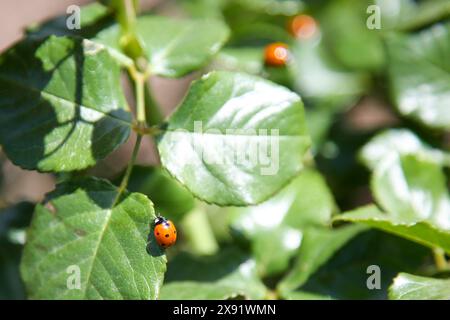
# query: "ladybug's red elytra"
276,54
165,232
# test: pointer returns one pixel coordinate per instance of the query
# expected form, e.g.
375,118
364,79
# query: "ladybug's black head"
159,220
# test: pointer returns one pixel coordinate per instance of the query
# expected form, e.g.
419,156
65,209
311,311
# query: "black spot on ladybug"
157,233
174,232
167,235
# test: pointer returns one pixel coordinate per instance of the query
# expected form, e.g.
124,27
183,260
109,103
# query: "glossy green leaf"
230,274
173,48
236,139
61,105
169,197
346,274
413,189
422,232
318,246
422,93
410,287
77,228
395,142
275,227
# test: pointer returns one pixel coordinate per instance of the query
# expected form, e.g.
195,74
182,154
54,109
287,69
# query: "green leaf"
169,197
410,14
345,275
61,105
422,232
395,142
248,60
422,93
318,246
275,227
230,274
320,79
413,188
173,48
410,287
236,139
347,36
78,227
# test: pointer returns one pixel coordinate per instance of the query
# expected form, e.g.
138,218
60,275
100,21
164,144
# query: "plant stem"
153,111
439,259
126,177
139,80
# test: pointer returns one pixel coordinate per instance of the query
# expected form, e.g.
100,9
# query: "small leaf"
173,48
411,14
422,232
77,228
320,80
413,189
61,106
423,92
346,276
317,247
229,274
395,142
236,139
249,60
344,26
410,287
275,227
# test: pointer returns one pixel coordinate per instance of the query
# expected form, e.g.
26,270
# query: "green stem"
139,81
126,16
153,111
126,177
439,259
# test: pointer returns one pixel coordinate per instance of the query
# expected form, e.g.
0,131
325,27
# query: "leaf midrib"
94,255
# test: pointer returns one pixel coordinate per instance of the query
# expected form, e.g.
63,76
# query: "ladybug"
302,26
165,232
276,54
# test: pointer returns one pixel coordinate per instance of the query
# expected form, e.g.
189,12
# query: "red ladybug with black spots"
165,232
